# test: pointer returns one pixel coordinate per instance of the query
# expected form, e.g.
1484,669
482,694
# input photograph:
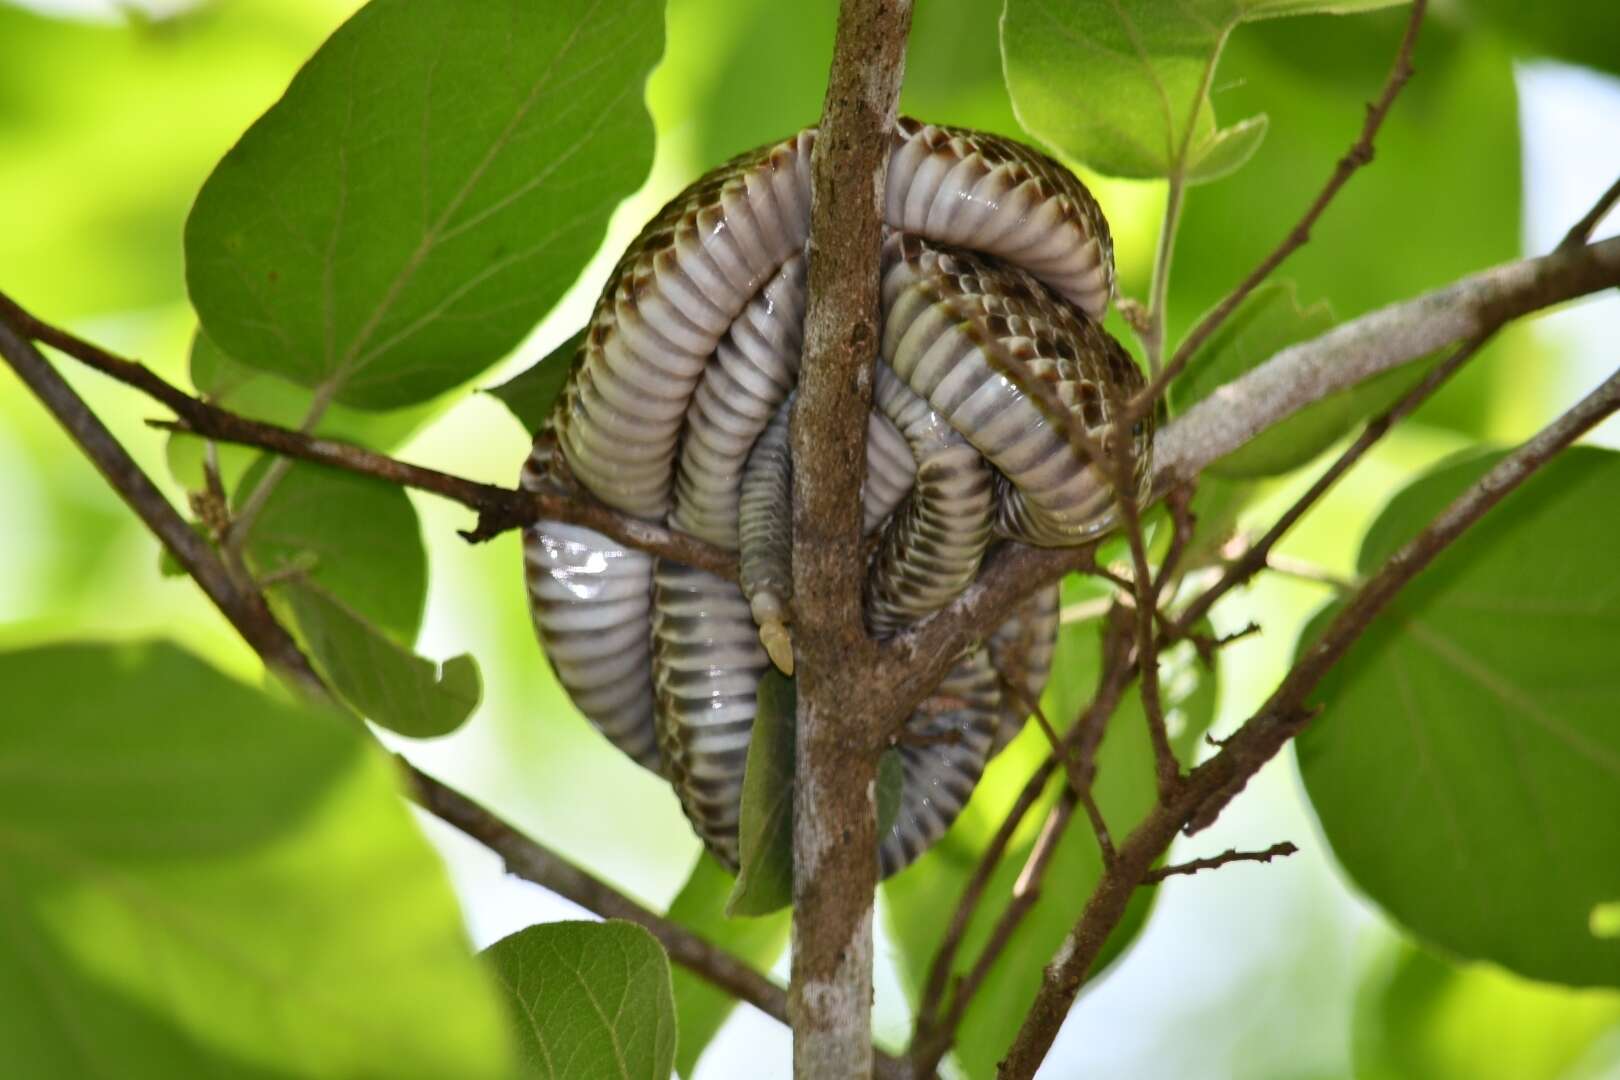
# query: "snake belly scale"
997,269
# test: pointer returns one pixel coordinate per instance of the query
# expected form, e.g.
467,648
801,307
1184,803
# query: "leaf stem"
241,526
1159,293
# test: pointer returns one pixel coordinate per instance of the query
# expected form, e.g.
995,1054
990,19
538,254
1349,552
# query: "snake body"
997,266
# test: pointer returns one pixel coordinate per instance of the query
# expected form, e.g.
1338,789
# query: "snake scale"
997,268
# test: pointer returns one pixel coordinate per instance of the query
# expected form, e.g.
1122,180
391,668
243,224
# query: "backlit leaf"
432,181
1467,767
198,879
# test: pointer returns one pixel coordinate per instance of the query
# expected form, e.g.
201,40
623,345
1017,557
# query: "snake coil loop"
997,268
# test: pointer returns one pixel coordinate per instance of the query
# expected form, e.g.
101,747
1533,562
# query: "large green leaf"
588,1001
1467,768
1431,1019
700,1006
920,898
197,879
343,554
429,185
1123,85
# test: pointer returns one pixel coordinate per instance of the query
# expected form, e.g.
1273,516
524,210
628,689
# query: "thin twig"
1026,893
1157,314
1193,866
1359,154
252,619
1257,555
939,969
245,610
1167,772
241,526
498,508
1580,232
1213,784
933,1037
1080,773
1301,570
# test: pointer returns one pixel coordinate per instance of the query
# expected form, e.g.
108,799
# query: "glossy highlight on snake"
997,269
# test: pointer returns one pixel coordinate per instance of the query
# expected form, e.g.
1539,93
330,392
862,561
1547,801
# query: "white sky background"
1169,1009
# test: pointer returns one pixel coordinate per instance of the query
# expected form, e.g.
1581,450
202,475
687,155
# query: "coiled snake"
997,266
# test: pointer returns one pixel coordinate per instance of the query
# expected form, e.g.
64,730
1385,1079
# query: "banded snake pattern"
997,269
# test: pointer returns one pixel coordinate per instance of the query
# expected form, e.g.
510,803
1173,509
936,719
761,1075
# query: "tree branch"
1257,556
246,611
1355,351
1359,154
1214,783
835,769
1580,232
498,508
1214,862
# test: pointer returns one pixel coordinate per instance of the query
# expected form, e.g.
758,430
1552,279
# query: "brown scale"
1000,304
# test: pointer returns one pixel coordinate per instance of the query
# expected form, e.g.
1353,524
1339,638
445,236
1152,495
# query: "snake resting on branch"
997,269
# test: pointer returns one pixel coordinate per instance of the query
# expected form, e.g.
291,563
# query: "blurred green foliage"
200,880
110,132
1425,1017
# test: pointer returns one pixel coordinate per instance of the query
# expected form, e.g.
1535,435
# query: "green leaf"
1467,768
700,1006
1377,243
345,559
531,394
765,832
588,1000
432,181
919,900
355,537
197,879
391,685
891,782
1431,1019
1123,85
1228,150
